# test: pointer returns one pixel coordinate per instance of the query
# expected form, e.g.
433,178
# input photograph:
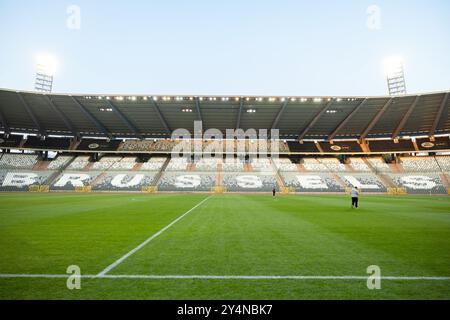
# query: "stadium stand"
126,163
285,164
233,165
249,182
178,164
207,164
443,163
79,163
332,164
419,183
335,134
317,182
70,180
379,164
11,180
59,162
420,164
105,163
18,161
364,181
154,164
147,145
187,182
261,164
124,181
311,164
358,164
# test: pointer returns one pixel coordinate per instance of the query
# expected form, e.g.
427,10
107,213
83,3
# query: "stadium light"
46,66
393,68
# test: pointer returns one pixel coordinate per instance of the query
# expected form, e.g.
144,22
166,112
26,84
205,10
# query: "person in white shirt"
354,194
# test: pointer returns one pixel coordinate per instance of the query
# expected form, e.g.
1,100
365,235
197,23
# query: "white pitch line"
121,259
225,277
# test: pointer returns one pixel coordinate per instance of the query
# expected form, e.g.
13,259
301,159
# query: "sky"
233,47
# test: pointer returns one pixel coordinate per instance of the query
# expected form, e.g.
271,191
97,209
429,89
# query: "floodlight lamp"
46,64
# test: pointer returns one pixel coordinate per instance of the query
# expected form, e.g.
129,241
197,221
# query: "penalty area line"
143,244
222,277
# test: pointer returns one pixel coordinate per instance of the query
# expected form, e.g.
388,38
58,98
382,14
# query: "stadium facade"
123,143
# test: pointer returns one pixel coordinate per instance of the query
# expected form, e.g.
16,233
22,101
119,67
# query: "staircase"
339,180
385,179
160,173
58,172
277,175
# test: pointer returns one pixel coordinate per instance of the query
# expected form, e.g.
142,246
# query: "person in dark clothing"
274,192
354,194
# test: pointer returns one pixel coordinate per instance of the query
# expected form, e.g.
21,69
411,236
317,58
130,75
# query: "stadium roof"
157,116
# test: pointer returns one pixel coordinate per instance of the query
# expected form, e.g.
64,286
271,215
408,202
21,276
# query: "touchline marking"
222,277
120,260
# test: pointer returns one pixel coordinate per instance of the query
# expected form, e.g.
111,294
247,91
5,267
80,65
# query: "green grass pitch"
227,235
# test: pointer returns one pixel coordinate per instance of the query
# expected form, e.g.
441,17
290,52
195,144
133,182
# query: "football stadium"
101,188
224,197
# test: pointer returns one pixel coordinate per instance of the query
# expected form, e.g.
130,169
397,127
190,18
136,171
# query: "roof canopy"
157,116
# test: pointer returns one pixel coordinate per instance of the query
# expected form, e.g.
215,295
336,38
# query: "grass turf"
226,235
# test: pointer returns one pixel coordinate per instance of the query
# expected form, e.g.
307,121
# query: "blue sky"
233,47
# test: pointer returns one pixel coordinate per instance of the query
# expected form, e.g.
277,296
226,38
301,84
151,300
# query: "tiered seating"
284,164
233,165
79,163
420,183
154,164
332,164
105,163
379,164
317,182
124,181
147,145
312,164
177,164
126,163
364,181
18,161
183,181
262,164
59,162
69,180
420,164
249,182
444,162
207,164
20,181
358,164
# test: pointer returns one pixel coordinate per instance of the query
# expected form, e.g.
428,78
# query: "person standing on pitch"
274,192
354,194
